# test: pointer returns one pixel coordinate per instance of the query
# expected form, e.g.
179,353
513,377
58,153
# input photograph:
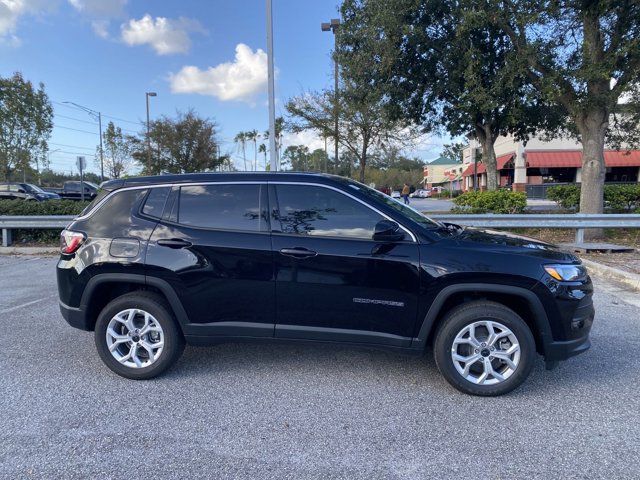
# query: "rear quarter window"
114,217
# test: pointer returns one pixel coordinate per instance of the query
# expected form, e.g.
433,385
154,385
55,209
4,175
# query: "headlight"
566,273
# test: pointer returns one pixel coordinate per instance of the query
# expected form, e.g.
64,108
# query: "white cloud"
307,137
241,79
101,28
12,10
102,9
100,12
165,35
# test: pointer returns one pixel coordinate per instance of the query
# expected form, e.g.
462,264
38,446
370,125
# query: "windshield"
33,188
405,210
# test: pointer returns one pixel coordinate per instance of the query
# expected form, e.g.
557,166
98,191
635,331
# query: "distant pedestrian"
405,193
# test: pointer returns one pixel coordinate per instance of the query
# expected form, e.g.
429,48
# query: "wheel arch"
523,301
104,287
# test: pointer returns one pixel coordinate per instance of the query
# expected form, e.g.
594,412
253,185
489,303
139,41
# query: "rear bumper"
75,317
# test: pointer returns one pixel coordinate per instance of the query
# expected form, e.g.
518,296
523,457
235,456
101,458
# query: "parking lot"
250,411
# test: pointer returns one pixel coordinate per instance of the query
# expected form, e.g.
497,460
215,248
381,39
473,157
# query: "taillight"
70,241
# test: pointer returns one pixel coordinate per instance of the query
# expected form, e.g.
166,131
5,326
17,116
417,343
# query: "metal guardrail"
40,222
576,221
579,221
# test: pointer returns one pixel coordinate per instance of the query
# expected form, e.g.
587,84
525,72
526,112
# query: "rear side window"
224,207
318,211
154,205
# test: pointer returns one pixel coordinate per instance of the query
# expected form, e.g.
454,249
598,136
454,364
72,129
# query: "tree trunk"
593,129
487,141
363,159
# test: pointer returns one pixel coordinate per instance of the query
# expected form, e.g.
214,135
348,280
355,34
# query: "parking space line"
18,307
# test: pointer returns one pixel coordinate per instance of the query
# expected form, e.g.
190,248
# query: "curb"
632,280
29,250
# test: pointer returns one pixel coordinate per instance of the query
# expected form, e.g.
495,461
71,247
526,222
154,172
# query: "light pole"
49,152
96,115
147,95
332,27
270,77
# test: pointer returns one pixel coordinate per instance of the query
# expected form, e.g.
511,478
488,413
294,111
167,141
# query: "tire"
153,355
482,315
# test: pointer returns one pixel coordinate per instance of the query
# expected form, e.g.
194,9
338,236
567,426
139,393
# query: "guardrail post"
580,235
6,237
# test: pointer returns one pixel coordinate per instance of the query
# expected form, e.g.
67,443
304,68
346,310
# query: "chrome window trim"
251,182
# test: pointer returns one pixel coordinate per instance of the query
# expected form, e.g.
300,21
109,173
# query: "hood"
510,243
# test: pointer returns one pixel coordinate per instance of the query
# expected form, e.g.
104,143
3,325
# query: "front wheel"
484,348
137,336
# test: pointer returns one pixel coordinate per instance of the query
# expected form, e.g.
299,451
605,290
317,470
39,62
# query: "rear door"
333,282
213,247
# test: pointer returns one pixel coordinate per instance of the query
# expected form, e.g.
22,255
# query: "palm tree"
263,149
252,135
241,139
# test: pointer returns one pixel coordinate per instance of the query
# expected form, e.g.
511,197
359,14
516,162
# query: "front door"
213,247
333,282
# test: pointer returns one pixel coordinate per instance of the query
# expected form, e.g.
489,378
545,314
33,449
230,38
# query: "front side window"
318,211
222,206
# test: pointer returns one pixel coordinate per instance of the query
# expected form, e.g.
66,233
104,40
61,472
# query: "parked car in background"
395,194
421,193
25,191
157,262
72,190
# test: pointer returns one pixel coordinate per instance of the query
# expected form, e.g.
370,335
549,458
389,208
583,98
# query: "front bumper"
576,322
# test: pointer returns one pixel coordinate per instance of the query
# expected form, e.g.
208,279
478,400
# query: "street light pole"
96,115
332,27
147,95
273,160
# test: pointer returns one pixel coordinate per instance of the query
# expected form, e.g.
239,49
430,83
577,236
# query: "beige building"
441,171
539,163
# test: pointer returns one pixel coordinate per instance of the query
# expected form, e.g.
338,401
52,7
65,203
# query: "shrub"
50,207
567,196
446,194
621,198
499,201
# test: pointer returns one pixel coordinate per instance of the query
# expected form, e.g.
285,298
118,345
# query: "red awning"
613,158
554,159
573,158
502,161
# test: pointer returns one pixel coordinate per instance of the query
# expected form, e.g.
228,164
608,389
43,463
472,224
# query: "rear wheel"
484,348
137,336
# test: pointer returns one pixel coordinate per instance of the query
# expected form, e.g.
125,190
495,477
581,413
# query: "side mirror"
22,190
387,231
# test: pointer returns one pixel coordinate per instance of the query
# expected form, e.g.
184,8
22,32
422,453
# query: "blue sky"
206,55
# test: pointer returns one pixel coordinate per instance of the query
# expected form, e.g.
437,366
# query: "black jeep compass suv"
157,262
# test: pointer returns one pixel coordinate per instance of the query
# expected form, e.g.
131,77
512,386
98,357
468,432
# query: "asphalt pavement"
254,411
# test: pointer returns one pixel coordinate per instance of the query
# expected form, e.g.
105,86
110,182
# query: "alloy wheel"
485,352
135,338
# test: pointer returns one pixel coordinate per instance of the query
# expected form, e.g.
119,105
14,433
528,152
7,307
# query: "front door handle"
298,252
174,243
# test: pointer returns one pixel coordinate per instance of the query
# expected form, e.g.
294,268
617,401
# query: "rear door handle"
298,252
174,243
